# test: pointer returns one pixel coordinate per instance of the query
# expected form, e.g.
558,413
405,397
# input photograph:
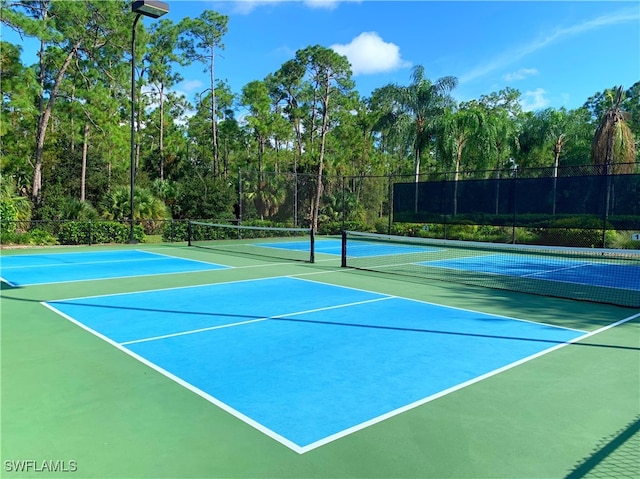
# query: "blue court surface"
305,362
33,269
609,275
356,249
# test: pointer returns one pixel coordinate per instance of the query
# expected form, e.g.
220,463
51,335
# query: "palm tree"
457,130
415,110
613,145
420,105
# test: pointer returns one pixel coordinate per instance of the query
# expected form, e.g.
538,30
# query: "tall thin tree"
200,40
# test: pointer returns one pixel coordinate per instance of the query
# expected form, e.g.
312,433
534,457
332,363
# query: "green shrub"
336,227
8,216
40,237
623,240
580,238
100,232
35,237
175,231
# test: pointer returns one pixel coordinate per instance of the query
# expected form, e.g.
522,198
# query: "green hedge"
102,232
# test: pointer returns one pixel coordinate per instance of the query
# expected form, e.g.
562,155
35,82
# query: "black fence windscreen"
589,201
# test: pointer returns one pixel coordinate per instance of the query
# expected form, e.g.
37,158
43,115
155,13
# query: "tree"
552,136
418,107
499,136
631,104
227,125
329,75
459,128
18,117
285,85
199,40
67,30
389,139
255,97
159,59
613,141
169,119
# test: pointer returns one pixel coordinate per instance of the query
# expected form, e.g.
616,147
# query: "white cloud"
534,100
191,85
521,74
368,53
326,4
543,41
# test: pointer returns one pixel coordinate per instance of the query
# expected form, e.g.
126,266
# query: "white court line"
440,305
426,264
303,449
242,323
168,256
445,392
108,278
84,263
9,283
566,268
172,288
161,257
225,407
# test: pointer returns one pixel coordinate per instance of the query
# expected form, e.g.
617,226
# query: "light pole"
153,9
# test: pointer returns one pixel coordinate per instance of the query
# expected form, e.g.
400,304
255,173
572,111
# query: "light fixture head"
150,8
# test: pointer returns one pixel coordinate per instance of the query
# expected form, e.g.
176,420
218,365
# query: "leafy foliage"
64,126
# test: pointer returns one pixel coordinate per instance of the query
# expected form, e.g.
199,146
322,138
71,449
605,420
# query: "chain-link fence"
587,206
290,198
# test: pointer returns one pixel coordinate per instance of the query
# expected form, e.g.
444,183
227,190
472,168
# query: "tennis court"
177,361
34,269
357,249
610,275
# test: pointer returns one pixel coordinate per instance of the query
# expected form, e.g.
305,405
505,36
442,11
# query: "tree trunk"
416,171
162,132
557,149
214,133
36,192
325,120
456,177
85,148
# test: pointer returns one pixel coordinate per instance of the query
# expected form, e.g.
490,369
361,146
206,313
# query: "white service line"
242,323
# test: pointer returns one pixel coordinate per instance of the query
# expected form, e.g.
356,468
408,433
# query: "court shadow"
614,456
389,327
551,342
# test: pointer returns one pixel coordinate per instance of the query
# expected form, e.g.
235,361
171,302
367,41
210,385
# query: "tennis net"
296,244
599,275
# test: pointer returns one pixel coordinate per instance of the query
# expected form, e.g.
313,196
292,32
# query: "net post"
312,246
188,233
343,254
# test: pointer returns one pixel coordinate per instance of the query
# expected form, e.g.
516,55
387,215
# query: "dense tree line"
65,121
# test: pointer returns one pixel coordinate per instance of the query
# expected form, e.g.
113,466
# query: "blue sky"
556,53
